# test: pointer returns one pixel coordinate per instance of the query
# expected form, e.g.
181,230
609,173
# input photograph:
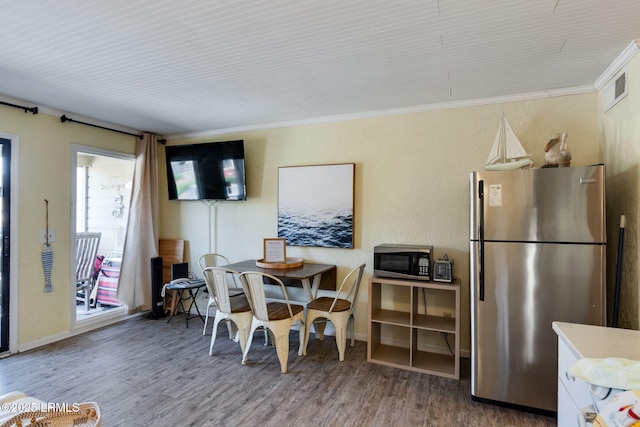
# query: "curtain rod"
68,119
33,110
64,119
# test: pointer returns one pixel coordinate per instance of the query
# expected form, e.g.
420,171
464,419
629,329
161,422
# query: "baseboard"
85,326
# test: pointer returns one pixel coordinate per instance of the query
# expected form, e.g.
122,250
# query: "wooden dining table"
310,276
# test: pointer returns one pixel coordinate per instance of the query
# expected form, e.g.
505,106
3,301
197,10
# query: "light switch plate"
43,236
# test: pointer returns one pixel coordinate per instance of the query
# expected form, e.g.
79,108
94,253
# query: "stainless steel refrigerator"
538,241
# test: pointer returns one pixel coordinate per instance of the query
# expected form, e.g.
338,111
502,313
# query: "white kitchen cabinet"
573,394
577,341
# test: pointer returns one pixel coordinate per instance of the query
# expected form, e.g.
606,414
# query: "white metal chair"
277,317
235,310
86,251
217,260
338,309
212,260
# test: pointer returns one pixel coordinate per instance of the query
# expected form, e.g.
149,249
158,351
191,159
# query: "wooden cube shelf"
399,336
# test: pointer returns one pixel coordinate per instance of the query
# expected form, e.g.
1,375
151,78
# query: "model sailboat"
507,153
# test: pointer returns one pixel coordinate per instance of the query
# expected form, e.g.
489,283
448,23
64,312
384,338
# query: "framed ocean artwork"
315,205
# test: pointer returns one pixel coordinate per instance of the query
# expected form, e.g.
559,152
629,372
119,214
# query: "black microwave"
402,261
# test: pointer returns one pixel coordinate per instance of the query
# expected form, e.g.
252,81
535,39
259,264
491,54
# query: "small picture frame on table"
275,250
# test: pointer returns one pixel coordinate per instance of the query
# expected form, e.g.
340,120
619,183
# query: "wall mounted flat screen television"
208,171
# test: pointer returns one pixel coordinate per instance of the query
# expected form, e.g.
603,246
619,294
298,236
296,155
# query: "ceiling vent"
615,90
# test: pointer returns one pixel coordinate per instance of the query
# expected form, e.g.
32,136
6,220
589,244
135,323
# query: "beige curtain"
141,243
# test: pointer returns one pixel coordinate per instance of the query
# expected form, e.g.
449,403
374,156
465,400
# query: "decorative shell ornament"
556,152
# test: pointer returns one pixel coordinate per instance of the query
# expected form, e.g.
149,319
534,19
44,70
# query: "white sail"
494,154
514,148
507,153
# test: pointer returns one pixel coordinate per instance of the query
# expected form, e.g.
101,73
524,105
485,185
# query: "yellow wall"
412,181
620,141
412,178
44,159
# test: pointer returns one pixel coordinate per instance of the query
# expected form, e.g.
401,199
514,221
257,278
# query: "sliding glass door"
5,169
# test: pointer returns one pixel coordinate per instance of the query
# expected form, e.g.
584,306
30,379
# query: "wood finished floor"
149,373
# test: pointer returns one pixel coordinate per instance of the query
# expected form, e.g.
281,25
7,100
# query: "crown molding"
621,61
551,93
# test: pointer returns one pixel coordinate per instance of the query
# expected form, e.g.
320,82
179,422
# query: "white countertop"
598,341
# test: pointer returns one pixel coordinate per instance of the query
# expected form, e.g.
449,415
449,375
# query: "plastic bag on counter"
622,410
612,372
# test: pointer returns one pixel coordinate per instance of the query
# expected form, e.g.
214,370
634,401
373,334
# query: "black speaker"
157,301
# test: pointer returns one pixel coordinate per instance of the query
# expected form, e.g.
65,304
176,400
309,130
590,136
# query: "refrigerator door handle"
481,239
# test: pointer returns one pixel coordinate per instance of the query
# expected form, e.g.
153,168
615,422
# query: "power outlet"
43,236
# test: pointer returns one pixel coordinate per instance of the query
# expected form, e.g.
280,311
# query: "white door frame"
90,323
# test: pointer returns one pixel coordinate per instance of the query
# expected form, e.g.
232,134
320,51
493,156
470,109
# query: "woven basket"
88,415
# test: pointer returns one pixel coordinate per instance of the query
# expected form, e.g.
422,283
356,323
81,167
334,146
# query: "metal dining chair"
338,309
235,310
212,260
277,317
217,260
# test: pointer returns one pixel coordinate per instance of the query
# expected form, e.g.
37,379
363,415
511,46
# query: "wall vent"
615,90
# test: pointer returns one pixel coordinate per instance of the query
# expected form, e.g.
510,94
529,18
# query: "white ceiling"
196,66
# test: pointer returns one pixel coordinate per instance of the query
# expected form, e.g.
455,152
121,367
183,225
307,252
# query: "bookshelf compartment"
392,352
